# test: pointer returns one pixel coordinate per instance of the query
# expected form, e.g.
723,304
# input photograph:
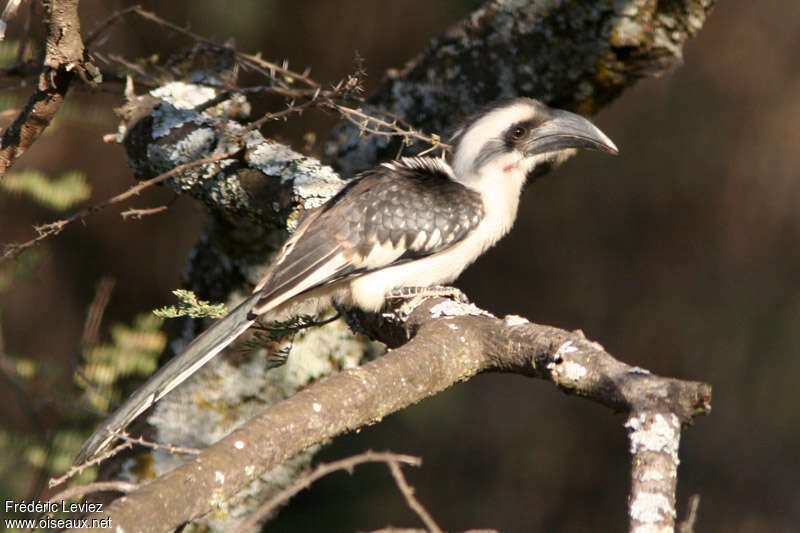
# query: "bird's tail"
201,350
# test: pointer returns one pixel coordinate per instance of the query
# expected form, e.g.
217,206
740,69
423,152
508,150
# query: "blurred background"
682,255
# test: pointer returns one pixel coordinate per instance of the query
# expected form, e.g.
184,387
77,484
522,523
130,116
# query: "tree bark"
64,59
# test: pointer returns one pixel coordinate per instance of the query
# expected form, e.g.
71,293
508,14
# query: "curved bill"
567,130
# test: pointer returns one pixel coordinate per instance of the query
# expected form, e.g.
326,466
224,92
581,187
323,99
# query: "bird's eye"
518,132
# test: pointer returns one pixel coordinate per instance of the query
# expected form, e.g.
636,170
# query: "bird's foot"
408,293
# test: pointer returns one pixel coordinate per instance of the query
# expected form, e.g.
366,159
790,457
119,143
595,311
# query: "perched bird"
400,229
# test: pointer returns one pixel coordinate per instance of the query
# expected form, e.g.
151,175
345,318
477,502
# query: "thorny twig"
79,491
413,502
391,129
291,109
306,480
77,469
54,228
128,442
107,23
299,99
141,213
171,448
368,123
313,94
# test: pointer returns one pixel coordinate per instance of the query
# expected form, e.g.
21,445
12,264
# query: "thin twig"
306,480
248,60
77,469
113,18
313,94
312,324
140,213
91,326
149,15
363,121
413,502
171,448
291,109
257,89
54,228
132,67
356,116
128,442
26,31
367,123
79,491
274,67
687,526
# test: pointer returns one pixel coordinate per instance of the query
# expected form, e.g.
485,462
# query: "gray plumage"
411,205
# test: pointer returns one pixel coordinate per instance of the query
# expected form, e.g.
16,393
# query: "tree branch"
449,343
12,250
64,58
654,436
571,55
303,482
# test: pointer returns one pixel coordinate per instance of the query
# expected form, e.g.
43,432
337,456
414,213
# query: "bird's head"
520,138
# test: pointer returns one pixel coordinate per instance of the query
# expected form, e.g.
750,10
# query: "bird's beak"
565,130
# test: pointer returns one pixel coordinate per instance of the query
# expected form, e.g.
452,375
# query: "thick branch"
572,55
447,347
64,58
654,437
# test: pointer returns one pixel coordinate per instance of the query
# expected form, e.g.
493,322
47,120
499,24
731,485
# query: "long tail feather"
176,371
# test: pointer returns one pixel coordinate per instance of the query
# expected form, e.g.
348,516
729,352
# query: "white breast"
500,191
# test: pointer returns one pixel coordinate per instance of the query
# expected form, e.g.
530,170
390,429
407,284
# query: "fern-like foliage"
190,306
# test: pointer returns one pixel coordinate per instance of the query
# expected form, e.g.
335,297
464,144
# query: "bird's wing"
398,212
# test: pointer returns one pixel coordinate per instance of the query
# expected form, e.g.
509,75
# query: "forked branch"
448,343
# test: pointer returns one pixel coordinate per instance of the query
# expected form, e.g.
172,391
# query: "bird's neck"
500,185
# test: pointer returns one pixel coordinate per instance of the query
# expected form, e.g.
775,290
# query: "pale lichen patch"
650,507
515,320
573,371
657,433
450,308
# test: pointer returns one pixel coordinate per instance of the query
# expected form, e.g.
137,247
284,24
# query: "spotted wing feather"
398,212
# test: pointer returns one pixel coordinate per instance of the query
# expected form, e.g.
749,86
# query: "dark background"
681,255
